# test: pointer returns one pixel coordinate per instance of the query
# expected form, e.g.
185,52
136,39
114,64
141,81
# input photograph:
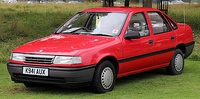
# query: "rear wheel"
104,77
177,63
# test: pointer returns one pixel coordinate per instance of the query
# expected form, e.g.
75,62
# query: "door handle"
172,37
150,41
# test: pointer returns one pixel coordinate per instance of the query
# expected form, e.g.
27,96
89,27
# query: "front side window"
106,24
138,24
159,24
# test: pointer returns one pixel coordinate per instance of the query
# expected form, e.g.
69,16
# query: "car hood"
63,44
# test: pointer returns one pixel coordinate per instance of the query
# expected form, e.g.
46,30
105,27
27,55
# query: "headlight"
67,60
17,57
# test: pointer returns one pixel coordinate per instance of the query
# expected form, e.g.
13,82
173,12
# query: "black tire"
176,65
104,77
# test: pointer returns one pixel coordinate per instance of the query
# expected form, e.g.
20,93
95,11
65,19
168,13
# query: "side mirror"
55,30
132,35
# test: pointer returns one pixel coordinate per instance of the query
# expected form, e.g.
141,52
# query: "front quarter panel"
94,55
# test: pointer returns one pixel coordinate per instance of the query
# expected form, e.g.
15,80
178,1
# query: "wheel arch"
113,60
181,47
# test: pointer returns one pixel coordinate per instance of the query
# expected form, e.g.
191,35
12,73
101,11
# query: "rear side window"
174,26
158,22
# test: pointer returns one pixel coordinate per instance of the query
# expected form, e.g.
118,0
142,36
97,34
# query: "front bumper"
66,77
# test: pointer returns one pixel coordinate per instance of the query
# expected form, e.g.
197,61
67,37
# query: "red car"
98,45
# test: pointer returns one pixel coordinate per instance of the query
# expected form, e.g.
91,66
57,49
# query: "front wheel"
104,77
177,63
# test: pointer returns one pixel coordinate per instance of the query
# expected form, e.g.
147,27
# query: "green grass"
155,84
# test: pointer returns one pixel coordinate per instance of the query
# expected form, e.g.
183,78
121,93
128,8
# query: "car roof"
119,9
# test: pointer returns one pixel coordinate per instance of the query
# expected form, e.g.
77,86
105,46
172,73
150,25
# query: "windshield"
105,24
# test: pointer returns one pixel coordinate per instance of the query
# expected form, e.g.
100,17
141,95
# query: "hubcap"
107,78
178,62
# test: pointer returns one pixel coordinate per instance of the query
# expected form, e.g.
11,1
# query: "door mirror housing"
132,35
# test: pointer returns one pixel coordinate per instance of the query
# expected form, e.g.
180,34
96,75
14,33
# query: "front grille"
39,59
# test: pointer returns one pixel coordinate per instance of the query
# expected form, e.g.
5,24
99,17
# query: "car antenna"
184,19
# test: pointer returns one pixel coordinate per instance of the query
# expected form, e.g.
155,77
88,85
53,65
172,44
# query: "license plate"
35,71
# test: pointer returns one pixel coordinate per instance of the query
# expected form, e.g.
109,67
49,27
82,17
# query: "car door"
164,39
137,52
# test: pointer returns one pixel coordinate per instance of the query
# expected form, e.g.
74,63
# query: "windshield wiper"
102,35
72,30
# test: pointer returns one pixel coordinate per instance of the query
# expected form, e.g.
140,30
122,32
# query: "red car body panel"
74,45
132,55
